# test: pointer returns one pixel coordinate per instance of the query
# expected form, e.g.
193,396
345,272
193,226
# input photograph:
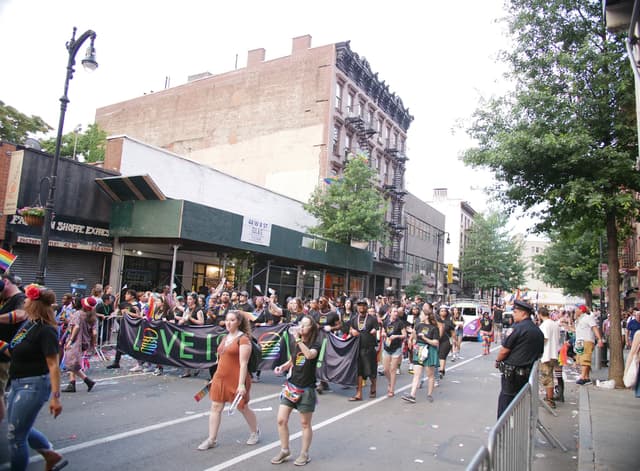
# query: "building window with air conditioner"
336,139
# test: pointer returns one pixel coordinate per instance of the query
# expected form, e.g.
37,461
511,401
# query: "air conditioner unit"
637,264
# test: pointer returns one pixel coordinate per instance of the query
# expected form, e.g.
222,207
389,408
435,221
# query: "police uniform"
525,344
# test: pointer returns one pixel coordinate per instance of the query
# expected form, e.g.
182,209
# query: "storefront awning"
131,188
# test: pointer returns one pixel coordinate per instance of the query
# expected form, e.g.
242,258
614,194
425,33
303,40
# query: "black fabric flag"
338,360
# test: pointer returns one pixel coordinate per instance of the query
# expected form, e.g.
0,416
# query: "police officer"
518,353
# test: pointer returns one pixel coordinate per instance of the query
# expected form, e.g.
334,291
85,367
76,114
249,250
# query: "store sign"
65,244
255,231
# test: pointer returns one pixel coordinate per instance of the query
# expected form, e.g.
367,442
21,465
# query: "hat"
362,301
88,303
583,308
523,306
244,293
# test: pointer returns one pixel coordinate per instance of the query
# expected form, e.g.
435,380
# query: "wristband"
55,395
3,346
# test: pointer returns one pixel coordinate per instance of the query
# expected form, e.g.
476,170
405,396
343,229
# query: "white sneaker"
208,443
135,369
254,437
148,369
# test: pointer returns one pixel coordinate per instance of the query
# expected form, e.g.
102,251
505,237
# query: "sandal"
355,398
390,394
372,394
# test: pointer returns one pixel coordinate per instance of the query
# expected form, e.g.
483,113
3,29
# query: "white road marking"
295,436
238,459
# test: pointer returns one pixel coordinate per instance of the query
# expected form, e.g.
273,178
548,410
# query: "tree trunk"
588,299
616,361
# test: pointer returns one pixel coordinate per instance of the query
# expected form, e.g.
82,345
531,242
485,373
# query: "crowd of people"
35,331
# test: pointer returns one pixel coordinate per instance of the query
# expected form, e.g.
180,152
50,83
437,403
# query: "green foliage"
91,144
351,207
416,286
571,261
15,127
492,259
563,144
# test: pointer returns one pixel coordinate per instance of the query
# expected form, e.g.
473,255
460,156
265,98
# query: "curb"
586,453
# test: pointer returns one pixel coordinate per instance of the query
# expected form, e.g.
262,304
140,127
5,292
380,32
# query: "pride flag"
6,259
151,309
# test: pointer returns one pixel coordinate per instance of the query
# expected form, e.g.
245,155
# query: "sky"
440,58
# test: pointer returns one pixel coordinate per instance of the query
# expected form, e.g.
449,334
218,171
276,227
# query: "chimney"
301,43
255,57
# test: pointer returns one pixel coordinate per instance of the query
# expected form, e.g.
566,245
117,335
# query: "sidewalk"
609,428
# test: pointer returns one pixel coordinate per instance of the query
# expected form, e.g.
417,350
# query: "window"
387,134
351,103
313,243
348,142
336,139
386,172
338,97
362,111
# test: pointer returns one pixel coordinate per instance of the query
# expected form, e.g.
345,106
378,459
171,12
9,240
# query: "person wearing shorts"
299,391
393,334
425,340
549,360
586,332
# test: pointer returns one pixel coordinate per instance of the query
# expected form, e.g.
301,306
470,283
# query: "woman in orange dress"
232,378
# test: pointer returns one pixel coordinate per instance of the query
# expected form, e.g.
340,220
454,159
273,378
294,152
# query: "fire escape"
396,193
362,131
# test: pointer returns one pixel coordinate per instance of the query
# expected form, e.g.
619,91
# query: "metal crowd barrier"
107,337
512,439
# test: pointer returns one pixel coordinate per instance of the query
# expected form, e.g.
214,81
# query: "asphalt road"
137,421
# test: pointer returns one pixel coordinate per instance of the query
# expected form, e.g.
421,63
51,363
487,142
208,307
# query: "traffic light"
450,273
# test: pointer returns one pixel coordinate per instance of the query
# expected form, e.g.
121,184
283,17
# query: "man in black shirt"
518,353
328,321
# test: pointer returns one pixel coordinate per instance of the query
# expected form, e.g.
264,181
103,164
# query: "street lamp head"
448,239
89,62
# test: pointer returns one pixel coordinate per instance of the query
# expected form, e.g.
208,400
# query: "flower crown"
33,291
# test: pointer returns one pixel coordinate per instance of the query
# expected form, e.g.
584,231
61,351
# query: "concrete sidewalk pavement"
609,428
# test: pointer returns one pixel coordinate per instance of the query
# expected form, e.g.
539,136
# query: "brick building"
284,124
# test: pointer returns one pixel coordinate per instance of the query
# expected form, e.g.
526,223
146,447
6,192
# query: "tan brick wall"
267,123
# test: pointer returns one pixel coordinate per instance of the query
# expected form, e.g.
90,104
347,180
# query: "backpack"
256,355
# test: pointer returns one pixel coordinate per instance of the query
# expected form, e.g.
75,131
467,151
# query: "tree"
563,144
415,286
571,263
90,145
492,258
350,208
15,127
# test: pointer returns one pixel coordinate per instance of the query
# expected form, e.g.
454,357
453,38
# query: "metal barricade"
107,337
510,439
480,461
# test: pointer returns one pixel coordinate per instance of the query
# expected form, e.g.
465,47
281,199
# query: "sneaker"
136,369
208,443
302,459
410,370
254,437
436,383
281,457
148,369
398,372
582,382
430,398
113,366
421,383
409,398
158,372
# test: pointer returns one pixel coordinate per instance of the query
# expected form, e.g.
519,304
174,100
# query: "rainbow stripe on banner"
6,259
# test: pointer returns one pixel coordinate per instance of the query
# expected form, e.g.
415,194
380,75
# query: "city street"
138,421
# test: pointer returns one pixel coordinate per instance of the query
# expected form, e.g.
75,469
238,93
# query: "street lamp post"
89,63
440,236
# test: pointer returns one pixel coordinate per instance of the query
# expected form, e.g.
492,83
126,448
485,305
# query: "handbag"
424,352
579,347
291,392
631,375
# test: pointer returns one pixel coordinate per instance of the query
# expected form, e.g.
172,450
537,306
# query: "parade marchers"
376,325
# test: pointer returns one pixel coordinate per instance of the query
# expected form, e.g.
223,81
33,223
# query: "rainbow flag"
6,259
151,309
330,180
